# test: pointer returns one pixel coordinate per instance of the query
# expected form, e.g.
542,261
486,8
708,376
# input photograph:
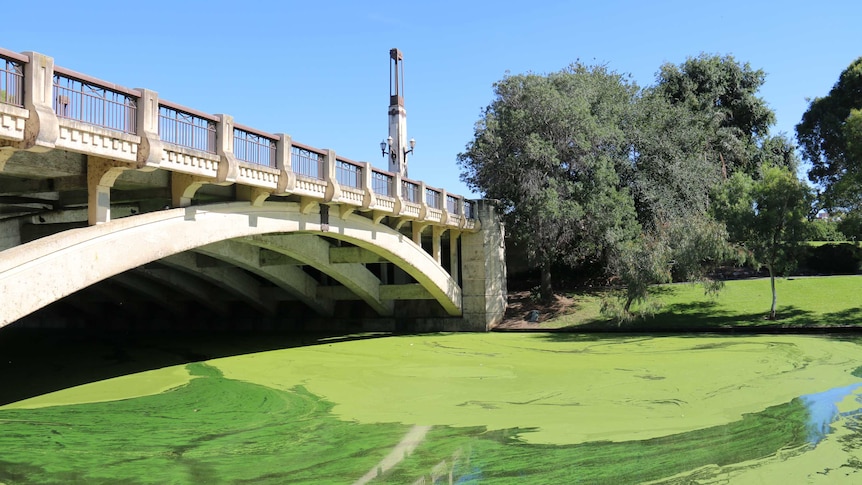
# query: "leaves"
830,136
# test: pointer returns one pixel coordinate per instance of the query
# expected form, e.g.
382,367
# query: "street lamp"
386,147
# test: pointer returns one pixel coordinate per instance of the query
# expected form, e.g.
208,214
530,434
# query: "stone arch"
43,271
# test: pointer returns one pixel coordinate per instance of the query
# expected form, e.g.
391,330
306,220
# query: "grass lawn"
803,302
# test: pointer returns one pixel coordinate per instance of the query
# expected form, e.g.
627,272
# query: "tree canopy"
547,147
724,93
590,168
830,138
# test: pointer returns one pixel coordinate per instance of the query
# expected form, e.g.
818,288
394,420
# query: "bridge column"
436,235
101,175
454,264
483,271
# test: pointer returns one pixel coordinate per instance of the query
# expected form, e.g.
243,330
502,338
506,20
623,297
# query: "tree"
547,147
724,91
670,175
830,136
768,217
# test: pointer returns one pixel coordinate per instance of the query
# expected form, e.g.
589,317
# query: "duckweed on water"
502,409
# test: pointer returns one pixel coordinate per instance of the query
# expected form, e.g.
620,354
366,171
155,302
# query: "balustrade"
12,78
181,127
78,97
113,121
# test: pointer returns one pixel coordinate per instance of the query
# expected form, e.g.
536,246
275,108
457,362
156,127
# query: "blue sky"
319,71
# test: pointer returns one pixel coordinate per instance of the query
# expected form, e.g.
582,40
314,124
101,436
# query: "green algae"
504,409
566,389
212,430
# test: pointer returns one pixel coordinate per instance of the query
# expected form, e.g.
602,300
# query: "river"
439,408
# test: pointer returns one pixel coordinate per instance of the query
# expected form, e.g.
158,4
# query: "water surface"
467,408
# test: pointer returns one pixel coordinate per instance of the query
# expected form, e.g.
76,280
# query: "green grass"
803,302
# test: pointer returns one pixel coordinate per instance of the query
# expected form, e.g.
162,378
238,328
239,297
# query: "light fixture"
386,147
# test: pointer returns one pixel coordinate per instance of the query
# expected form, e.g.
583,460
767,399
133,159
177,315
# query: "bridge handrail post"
284,163
398,190
444,208
423,202
369,198
150,149
42,128
333,188
228,168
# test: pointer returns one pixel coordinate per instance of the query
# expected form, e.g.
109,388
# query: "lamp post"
396,144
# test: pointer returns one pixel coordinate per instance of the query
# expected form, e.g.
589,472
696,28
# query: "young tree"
830,136
547,147
768,217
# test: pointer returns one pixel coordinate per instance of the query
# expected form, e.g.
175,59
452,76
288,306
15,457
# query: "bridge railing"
307,162
12,78
383,183
83,114
82,98
252,146
184,127
348,173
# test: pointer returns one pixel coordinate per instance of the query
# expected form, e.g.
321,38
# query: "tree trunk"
546,288
774,299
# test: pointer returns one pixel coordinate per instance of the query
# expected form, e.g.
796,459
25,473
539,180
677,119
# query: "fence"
181,127
254,147
410,191
306,163
85,100
348,174
382,183
11,81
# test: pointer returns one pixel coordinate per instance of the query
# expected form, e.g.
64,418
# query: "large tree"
670,173
548,147
830,136
724,93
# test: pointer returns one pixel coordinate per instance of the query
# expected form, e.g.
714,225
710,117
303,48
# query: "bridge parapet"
43,106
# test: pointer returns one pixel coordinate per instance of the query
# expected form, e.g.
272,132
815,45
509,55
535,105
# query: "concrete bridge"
110,196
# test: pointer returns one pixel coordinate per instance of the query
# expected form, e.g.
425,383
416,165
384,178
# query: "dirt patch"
522,304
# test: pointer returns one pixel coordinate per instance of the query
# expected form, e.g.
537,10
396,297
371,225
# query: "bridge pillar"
483,271
454,264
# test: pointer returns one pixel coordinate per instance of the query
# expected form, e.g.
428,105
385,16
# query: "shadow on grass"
34,362
707,316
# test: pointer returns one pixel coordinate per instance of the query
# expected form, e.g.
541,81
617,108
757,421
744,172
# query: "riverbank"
805,304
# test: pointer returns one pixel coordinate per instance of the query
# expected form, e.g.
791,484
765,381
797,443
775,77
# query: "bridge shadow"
34,362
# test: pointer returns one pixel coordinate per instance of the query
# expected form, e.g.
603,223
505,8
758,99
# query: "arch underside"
273,241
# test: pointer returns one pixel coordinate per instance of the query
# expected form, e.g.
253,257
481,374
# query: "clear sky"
319,71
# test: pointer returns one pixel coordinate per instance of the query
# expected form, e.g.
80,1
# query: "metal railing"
452,205
410,191
348,174
382,183
95,102
432,198
469,209
181,127
11,81
306,163
81,99
254,147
